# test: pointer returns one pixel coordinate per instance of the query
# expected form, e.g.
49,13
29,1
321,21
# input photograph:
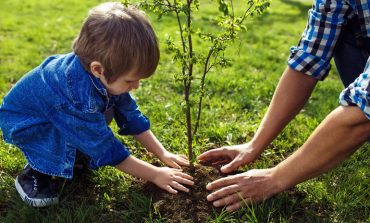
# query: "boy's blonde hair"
120,38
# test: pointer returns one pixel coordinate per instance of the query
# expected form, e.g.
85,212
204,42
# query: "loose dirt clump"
186,207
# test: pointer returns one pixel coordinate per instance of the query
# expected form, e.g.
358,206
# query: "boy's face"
124,83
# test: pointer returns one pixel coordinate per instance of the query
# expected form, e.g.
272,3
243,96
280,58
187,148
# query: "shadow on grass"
81,200
289,206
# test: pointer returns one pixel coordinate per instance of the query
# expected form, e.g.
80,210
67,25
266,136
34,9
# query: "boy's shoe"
35,188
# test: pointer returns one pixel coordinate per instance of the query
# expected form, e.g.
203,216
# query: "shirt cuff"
113,156
302,61
357,94
135,126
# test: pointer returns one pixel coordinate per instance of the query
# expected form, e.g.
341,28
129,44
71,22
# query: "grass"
237,98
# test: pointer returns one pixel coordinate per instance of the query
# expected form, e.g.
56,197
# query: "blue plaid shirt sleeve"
314,51
358,93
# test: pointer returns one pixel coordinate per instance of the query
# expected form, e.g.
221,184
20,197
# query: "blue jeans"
351,52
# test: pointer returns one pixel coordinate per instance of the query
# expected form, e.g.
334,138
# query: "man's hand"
171,179
174,160
251,186
337,137
234,156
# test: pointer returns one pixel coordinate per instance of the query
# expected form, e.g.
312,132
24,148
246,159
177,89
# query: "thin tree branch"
205,71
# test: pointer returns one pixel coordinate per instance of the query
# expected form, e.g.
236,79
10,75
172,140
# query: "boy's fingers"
183,162
184,175
178,186
170,189
176,170
184,181
177,166
173,164
183,156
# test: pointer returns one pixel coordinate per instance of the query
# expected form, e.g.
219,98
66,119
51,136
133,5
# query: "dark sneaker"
35,188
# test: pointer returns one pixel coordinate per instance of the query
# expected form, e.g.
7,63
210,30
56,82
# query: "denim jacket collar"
98,85
96,81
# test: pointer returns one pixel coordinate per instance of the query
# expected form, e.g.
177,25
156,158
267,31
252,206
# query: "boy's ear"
97,69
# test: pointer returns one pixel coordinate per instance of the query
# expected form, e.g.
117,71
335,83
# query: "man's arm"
338,136
312,57
291,94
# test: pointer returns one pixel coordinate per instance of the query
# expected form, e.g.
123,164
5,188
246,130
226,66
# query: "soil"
186,207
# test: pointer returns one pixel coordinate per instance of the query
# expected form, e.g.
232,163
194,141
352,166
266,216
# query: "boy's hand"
171,179
174,160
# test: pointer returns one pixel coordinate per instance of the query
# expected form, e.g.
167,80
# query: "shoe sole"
34,202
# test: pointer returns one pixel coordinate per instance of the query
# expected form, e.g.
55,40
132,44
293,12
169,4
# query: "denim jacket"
59,107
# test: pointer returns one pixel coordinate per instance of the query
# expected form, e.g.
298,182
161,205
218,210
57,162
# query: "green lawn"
236,100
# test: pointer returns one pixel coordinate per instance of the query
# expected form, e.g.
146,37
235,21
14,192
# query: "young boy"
64,105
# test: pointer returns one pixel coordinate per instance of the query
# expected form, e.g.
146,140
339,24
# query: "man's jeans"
351,52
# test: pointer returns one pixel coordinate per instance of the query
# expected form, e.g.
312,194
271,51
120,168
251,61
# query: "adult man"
335,28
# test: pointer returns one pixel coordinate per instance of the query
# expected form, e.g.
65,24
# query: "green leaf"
223,7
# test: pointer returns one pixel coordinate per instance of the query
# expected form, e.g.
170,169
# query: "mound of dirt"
186,207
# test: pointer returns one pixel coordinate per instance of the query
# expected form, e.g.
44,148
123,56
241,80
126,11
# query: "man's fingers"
222,182
222,160
211,154
233,165
232,189
230,199
184,181
233,207
238,204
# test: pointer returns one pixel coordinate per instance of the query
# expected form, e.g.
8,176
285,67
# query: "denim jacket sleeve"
128,116
90,134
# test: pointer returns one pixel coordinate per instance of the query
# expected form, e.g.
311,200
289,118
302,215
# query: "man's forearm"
338,136
290,96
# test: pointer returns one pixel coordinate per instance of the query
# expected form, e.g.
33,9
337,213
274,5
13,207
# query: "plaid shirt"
312,56
327,18
358,93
